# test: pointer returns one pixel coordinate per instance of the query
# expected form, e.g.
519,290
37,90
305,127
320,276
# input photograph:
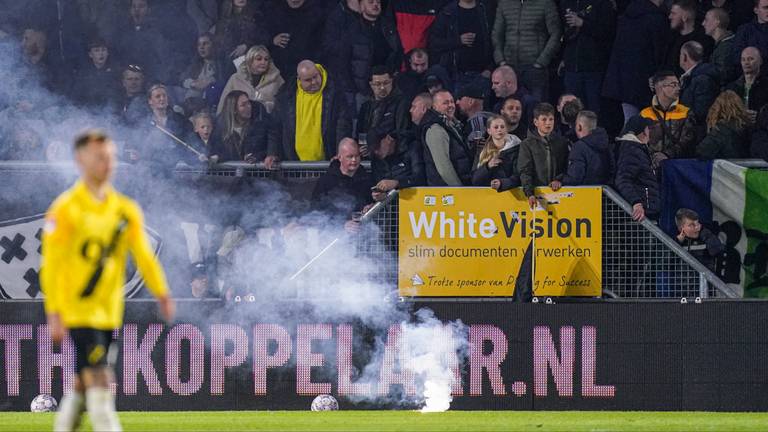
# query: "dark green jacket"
541,160
526,32
721,58
724,141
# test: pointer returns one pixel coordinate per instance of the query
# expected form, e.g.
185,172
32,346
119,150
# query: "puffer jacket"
526,32
699,89
506,171
354,59
459,155
591,161
724,141
674,130
541,160
636,180
265,91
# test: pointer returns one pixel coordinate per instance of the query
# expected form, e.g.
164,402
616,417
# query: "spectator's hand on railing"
555,185
387,185
270,162
352,226
496,184
638,212
378,195
532,202
658,157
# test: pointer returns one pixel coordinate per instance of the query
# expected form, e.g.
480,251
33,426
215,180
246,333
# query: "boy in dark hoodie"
543,155
697,240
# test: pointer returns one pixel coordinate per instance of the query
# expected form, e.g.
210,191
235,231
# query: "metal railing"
639,260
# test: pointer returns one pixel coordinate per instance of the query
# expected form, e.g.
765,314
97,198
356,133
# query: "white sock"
69,413
101,410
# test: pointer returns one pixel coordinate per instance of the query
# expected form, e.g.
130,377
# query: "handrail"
317,165
673,246
750,163
379,206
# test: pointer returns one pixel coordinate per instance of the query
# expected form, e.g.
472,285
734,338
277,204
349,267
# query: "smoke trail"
266,236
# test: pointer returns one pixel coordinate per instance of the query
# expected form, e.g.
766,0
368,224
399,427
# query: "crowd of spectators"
497,93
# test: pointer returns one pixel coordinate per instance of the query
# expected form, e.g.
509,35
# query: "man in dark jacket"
752,34
591,159
346,186
526,36
699,85
333,120
447,159
543,155
413,80
682,22
716,26
139,40
636,178
504,85
642,35
294,27
752,85
97,84
460,40
397,161
591,26
387,109
512,111
372,40
341,17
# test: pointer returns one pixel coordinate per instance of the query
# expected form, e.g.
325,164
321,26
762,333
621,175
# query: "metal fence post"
703,286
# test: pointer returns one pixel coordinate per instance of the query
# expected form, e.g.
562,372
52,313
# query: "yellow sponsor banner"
471,242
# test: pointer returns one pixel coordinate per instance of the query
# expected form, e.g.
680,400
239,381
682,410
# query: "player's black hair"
97,135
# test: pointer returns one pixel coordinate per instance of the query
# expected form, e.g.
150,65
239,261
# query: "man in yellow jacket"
89,230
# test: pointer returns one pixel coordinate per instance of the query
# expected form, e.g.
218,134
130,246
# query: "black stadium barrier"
591,356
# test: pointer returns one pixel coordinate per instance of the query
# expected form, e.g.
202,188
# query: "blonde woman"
497,164
257,76
728,126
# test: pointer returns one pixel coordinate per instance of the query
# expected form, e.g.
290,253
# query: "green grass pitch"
359,421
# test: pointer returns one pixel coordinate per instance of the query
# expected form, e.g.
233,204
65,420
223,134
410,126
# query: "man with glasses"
388,108
673,133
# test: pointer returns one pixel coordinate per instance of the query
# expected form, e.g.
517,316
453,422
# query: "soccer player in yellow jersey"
89,231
